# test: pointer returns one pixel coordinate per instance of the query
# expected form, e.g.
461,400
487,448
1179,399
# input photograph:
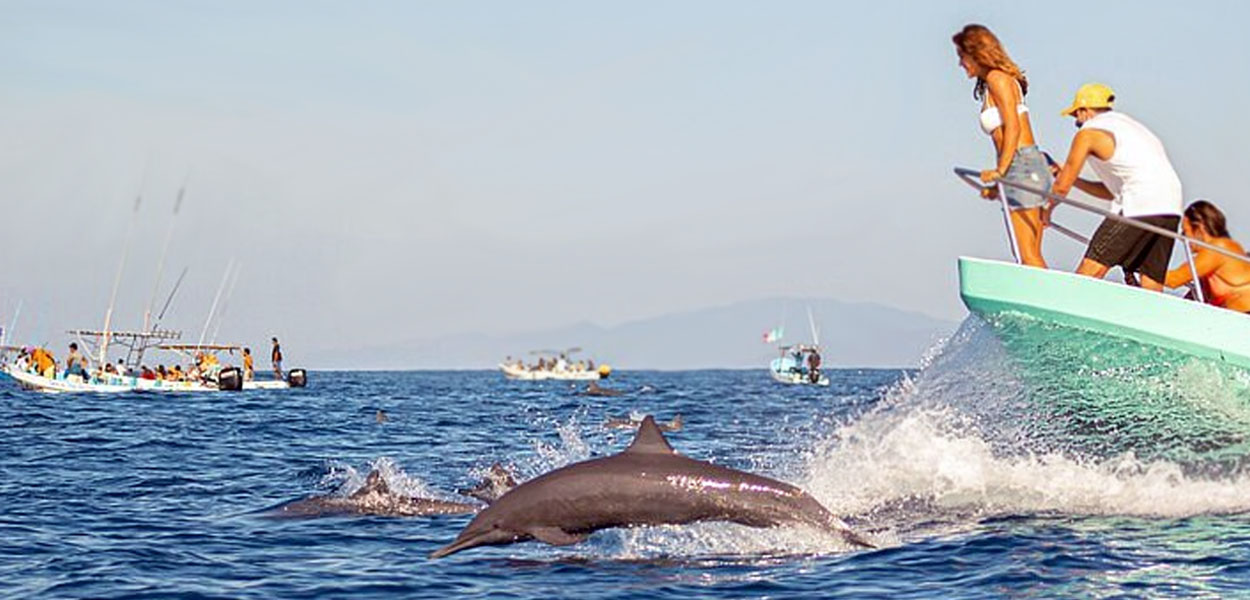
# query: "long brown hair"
1208,216
978,43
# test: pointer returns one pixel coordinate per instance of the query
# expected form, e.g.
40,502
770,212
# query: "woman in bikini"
1000,88
1225,280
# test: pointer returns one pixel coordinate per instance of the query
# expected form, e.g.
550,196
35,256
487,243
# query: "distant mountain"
853,335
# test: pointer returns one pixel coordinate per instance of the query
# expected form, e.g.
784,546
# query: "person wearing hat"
1135,174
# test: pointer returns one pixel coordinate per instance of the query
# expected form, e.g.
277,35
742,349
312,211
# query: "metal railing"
973,178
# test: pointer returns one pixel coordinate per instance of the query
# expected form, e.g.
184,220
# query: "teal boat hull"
991,287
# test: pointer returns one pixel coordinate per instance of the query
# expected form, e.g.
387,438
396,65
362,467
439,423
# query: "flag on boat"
773,335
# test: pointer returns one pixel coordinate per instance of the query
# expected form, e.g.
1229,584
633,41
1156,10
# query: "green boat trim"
991,287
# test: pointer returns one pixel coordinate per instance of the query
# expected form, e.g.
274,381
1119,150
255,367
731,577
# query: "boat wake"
981,433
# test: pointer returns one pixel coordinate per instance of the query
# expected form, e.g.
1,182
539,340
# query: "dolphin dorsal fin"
649,439
374,483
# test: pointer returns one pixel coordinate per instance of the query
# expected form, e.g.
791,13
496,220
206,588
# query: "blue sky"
392,171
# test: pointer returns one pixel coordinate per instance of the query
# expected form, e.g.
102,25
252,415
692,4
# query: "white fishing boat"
554,365
61,384
208,373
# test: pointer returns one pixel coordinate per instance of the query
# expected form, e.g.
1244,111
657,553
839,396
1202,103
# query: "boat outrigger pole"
216,299
160,264
117,281
7,333
225,305
811,322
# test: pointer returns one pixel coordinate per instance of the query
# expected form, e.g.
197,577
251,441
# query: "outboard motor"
297,378
230,379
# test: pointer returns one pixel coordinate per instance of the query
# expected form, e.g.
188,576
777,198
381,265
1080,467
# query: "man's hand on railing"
990,193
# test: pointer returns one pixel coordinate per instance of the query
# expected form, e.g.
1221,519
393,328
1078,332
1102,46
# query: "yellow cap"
1091,95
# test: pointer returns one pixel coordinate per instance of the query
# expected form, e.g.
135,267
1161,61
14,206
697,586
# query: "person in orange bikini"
1225,280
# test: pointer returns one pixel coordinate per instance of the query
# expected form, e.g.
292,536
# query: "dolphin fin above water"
375,483
649,440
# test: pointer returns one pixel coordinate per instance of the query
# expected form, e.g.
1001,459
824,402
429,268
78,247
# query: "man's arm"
1068,176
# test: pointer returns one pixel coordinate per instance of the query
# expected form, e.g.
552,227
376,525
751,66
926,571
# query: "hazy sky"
393,171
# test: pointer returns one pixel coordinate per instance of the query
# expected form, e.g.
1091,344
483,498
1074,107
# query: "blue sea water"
962,471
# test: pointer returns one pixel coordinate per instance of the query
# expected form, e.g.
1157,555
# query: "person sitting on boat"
146,373
1000,88
1225,280
813,366
75,363
176,374
1135,174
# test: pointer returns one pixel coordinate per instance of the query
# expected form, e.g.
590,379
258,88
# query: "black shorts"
1117,244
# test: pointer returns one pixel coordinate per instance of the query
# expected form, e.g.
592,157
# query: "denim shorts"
1028,168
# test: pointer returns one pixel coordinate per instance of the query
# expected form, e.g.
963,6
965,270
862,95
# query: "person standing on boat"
1135,175
249,371
1001,87
1225,280
276,357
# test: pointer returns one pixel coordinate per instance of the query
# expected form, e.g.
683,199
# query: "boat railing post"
1193,272
1011,227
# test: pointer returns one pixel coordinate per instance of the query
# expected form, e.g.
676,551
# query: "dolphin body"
647,484
373,498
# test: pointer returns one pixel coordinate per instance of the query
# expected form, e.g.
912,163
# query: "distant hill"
853,335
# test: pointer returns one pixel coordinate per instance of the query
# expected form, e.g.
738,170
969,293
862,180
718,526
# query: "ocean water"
998,469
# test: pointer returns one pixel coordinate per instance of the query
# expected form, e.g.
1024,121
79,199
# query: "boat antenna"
216,299
160,264
169,299
811,322
117,281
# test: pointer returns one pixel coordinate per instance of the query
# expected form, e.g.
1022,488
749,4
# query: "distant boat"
798,364
792,366
554,365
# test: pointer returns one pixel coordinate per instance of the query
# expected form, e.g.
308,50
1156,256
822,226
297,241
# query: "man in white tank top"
1135,175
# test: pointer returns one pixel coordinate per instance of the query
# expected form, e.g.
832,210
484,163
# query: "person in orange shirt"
249,371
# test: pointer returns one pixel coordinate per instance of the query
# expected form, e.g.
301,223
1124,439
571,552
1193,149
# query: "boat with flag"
994,288
797,364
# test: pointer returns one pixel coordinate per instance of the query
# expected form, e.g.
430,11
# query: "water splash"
1021,418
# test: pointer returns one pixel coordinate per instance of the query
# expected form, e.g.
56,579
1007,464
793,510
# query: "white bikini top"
991,119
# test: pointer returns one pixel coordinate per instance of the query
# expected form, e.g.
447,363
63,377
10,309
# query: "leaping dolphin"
373,498
647,484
